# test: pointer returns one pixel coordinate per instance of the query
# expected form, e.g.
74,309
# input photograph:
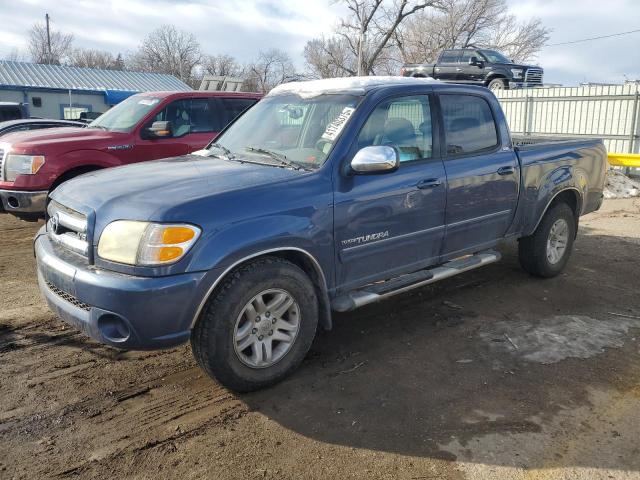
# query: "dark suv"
477,67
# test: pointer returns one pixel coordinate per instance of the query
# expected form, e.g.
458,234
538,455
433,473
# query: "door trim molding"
476,219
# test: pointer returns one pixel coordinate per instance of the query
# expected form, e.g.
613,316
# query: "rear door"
393,222
448,67
482,176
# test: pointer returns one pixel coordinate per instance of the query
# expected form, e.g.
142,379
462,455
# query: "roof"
204,93
21,74
22,121
356,85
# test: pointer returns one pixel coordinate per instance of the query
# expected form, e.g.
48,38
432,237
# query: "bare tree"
463,23
222,65
364,41
329,57
168,50
87,58
61,44
520,41
371,26
271,68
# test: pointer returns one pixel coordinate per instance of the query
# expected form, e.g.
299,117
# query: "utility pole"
361,40
49,56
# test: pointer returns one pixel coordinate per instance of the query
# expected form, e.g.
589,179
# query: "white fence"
607,112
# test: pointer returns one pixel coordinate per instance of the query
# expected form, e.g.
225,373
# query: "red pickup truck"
146,126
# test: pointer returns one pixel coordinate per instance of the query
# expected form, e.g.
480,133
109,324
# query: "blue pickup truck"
325,196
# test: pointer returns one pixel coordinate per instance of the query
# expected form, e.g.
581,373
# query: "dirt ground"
491,374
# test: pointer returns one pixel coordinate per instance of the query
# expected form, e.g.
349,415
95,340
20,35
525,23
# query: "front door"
473,74
195,122
391,223
483,177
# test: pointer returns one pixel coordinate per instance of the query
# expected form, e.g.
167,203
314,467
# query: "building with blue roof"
61,92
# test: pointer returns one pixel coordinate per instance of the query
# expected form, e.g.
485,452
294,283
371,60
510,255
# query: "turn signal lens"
166,254
173,235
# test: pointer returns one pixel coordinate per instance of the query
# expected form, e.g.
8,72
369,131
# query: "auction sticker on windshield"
335,127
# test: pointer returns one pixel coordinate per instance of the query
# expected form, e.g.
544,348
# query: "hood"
145,191
39,141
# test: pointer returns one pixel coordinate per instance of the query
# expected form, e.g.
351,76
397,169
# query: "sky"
242,27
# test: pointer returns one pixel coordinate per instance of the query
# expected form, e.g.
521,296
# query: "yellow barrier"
625,159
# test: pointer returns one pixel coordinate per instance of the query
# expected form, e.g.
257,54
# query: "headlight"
144,243
517,72
22,165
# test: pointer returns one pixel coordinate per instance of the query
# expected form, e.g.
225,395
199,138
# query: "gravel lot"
491,374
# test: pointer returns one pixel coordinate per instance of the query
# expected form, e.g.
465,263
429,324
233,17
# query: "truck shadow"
438,372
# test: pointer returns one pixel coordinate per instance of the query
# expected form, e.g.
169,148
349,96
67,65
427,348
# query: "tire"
535,251
497,84
214,339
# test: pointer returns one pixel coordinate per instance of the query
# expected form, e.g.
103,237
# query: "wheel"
259,325
496,84
546,252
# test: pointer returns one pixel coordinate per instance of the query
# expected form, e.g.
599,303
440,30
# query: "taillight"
402,70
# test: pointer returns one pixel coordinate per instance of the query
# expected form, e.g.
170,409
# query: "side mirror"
159,130
475,62
375,159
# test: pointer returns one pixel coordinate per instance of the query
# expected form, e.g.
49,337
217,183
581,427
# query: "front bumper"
516,85
137,313
20,201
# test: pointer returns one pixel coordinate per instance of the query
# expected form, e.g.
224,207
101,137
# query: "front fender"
232,242
236,244
81,158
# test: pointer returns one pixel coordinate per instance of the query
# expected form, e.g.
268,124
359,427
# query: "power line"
594,38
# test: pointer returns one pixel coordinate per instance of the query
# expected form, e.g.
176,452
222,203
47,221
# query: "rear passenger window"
468,124
403,123
235,106
450,56
204,117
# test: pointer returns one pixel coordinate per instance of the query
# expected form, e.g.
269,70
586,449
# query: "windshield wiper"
279,157
226,151
97,126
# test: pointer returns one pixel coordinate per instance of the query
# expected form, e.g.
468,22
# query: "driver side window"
179,114
403,123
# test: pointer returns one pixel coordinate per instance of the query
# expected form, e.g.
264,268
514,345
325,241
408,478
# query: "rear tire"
269,305
546,252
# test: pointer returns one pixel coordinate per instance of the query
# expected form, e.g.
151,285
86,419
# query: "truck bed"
550,164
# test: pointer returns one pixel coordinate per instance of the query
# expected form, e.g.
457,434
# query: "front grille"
533,75
68,228
67,297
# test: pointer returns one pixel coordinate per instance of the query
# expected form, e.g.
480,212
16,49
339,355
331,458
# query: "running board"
379,291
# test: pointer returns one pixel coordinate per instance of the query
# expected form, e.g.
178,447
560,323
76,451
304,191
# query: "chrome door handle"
458,69
428,183
506,170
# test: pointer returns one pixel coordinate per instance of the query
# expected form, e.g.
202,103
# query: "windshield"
287,130
495,57
126,115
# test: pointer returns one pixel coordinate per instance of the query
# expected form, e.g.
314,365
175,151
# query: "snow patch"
618,185
355,85
556,338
